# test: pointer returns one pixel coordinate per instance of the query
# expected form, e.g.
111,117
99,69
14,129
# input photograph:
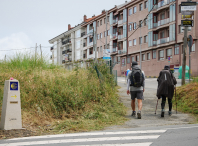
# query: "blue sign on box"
14,86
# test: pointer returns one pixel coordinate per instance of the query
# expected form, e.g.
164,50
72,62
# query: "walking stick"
156,106
176,99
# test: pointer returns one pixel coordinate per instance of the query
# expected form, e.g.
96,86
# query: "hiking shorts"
137,94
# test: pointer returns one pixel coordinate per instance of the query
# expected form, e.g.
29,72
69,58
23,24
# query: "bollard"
11,108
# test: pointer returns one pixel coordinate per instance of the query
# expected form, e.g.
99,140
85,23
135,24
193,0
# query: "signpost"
187,14
187,23
188,6
186,9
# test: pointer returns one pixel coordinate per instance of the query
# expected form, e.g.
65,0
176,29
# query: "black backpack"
137,78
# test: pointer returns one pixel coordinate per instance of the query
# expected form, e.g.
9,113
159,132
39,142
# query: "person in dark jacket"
166,83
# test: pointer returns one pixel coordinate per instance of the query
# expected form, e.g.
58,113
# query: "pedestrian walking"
166,85
136,83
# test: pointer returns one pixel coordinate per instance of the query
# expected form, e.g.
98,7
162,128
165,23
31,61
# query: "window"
107,46
134,42
168,53
100,35
130,11
78,33
128,60
161,55
140,40
145,4
100,22
114,59
162,34
154,54
193,48
133,58
145,39
137,58
143,57
148,56
130,43
176,49
134,25
118,60
100,48
105,34
130,27
140,23
123,61
78,44
104,20
108,32
140,7
134,10
145,22
162,16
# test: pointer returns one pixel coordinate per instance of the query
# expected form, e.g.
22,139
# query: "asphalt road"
151,130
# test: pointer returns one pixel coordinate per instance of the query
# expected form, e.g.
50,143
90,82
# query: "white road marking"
182,127
89,134
128,144
81,140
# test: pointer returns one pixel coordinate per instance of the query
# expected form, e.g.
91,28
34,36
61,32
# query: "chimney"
103,11
69,26
125,1
93,16
85,18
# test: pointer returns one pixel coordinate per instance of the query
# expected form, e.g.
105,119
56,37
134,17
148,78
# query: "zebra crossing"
113,138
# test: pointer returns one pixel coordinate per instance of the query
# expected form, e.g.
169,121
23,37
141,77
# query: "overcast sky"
23,23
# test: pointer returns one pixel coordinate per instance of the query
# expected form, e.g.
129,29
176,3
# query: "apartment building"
159,36
152,26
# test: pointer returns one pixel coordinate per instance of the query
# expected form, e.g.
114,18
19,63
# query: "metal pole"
189,63
140,49
106,29
35,51
95,43
184,56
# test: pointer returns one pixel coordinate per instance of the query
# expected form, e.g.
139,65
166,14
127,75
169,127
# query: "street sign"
188,23
106,54
188,6
187,14
190,42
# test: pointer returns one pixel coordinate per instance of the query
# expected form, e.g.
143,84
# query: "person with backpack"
166,83
136,83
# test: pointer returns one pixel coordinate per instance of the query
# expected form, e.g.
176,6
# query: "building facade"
146,31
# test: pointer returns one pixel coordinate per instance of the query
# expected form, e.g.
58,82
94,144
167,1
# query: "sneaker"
170,113
162,113
133,114
139,115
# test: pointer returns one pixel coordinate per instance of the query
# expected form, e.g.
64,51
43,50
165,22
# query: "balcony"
120,22
114,50
91,44
82,34
66,42
84,44
69,49
64,52
121,52
115,21
115,35
63,61
163,41
162,22
84,56
163,3
120,37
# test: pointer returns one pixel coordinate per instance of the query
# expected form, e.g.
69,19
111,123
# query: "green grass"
68,101
187,98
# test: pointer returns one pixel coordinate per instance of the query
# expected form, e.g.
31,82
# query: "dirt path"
149,119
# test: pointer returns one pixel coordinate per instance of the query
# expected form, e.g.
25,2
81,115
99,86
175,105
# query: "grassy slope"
187,98
55,100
